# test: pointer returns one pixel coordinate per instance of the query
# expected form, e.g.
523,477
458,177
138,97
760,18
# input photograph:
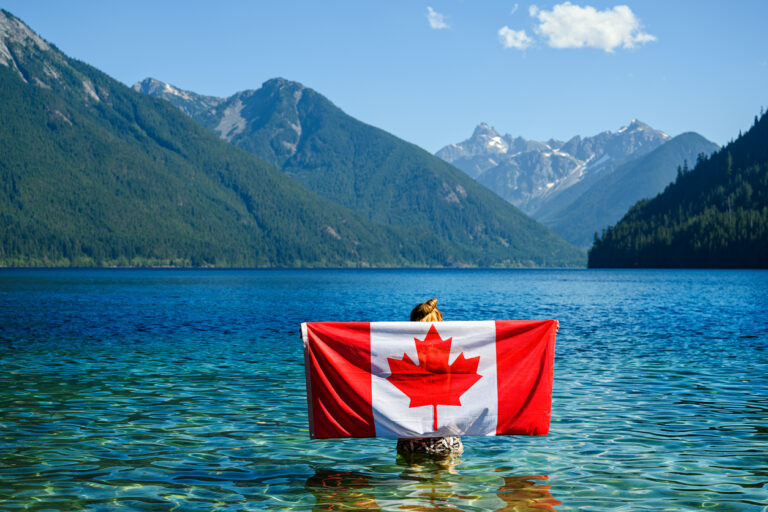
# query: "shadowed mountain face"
715,215
598,201
94,173
581,186
385,179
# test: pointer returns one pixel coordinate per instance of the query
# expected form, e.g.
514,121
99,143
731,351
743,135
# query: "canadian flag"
423,379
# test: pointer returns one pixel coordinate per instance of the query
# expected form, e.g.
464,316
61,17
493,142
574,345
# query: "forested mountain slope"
715,215
602,200
384,178
581,186
94,173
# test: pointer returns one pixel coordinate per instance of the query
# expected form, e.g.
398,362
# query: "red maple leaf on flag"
433,382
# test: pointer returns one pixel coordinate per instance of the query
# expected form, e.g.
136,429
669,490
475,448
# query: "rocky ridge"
527,172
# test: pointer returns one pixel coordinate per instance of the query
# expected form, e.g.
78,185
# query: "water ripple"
179,390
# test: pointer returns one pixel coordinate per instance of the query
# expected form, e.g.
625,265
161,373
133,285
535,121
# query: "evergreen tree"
715,215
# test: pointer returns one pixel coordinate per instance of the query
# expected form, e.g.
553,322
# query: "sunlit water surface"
184,390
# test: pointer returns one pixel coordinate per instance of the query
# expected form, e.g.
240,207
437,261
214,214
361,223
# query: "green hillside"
374,173
603,200
715,215
93,173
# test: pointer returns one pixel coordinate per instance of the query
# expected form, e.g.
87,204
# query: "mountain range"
383,178
580,186
714,215
95,173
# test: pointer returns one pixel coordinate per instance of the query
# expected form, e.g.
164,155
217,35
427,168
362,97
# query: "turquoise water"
184,390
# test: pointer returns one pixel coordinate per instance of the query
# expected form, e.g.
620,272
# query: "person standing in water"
446,446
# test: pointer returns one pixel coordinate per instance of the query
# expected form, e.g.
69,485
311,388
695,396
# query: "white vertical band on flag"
392,415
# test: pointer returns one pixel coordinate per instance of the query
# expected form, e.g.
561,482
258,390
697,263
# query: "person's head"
426,312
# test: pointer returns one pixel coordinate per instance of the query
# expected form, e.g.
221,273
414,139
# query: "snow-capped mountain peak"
527,172
638,126
484,130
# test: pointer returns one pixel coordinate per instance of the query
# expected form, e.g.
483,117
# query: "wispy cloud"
514,9
436,20
573,26
514,38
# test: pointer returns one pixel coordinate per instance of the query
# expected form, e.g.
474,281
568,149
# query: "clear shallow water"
184,390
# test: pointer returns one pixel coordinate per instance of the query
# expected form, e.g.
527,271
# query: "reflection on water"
521,493
429,486
184,390
342,490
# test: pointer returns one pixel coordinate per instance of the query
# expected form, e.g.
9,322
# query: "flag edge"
308,379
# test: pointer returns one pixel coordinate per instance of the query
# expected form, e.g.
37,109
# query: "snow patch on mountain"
496,142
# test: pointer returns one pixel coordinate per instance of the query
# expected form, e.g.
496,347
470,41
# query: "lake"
184,390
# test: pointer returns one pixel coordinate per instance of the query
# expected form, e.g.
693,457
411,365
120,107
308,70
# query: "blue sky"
430,71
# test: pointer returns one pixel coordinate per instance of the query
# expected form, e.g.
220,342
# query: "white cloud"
514,38
573,26
436,20
514,9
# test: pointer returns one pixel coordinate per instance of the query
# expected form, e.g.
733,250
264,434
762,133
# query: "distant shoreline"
378,268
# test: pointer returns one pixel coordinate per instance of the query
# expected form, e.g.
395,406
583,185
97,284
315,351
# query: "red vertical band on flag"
339,381
525,355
